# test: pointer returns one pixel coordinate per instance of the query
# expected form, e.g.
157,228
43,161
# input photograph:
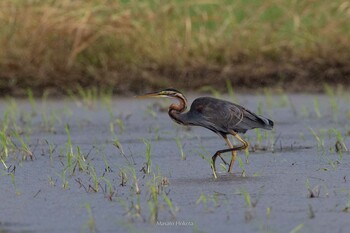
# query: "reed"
95,43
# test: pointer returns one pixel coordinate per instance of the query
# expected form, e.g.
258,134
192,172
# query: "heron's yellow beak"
150,95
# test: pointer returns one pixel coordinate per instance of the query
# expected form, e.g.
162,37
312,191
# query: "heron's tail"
267,123
251,121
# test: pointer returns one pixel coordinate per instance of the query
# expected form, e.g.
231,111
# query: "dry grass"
132,45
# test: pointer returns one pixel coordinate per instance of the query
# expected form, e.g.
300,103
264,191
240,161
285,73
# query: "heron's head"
164,93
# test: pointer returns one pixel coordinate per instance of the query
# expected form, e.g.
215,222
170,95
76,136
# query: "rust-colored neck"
175,109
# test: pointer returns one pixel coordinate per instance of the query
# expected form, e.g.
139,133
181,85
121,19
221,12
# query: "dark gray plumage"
220,116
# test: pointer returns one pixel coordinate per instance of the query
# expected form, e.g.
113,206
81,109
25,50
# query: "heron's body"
219,116
208,113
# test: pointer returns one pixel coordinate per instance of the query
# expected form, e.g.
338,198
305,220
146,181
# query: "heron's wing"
217,115
222,116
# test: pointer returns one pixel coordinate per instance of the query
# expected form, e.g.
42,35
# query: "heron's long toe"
213,164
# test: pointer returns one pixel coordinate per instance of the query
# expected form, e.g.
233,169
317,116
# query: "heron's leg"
223,160
231,149
245,143
218,153
233,154
243,147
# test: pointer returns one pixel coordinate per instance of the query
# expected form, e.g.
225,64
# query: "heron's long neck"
175,110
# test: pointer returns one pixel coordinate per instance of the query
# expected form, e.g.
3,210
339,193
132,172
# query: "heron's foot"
213,165
213,162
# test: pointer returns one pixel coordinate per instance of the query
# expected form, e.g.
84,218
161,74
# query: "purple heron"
220,116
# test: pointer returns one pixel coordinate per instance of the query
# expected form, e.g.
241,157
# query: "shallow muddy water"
88,156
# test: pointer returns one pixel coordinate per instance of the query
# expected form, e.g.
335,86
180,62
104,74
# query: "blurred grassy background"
130,46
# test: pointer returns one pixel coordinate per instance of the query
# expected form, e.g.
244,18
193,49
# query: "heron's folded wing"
219,116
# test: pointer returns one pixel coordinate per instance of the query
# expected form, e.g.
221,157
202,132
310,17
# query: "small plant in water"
26,152
80,160
241,165
208,159
317,108
136,181
259,136
153,203
123,177
51,150
297,228
230,91
120,123
11,173
91,223
170,205
32,101
95,179
65,183
319,139
209,202
202,199
111,190
340,146
5,147
248,216
179,145
312,192
148,156
69,149
332,101
305,111
149,111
